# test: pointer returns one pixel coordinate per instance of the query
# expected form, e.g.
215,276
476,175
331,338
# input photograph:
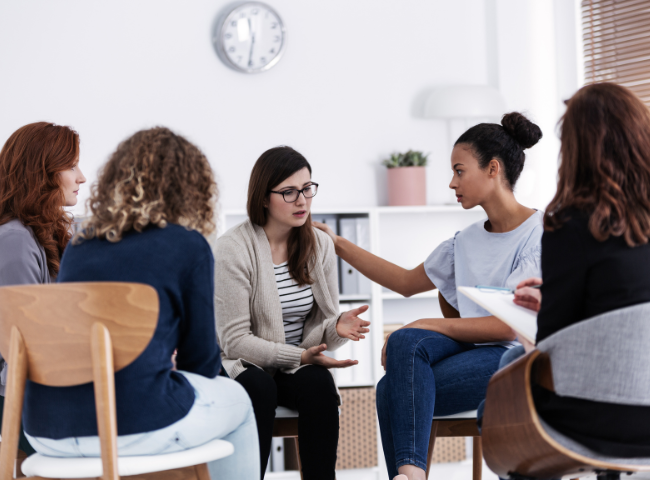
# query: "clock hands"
250,55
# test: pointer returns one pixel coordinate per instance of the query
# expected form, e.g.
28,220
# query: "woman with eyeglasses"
441,366
276,301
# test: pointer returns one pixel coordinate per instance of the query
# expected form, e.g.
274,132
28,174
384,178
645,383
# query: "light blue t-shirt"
475,256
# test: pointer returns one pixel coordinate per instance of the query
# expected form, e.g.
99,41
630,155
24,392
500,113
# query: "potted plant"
407,183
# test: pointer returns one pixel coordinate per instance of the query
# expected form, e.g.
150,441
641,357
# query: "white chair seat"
284,412
471,414
84,467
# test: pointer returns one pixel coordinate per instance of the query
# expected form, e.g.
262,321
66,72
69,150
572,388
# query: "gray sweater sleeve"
20,259
330,335
20,264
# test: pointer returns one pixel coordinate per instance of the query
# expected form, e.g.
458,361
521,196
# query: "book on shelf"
357,231
329,220
277,454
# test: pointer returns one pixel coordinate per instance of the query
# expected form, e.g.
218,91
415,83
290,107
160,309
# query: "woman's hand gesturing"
350,326
314,356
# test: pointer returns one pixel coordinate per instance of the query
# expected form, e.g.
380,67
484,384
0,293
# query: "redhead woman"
276,300
595,252
39,175
152,207
441,366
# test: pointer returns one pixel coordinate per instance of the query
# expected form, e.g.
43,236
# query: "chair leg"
20,458
477,461
202,472
432,443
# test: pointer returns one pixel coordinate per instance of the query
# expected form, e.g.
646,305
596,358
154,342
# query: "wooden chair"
286,426
458,425
518,444
74,333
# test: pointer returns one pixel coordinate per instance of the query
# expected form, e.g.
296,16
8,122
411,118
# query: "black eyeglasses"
291,195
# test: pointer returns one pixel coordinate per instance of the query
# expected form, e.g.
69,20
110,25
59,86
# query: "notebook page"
520,319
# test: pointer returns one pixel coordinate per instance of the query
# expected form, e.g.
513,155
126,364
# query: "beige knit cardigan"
247,305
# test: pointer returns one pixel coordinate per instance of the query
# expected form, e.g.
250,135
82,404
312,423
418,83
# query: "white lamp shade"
464,101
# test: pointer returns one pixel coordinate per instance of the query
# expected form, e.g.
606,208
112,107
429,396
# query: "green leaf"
411,158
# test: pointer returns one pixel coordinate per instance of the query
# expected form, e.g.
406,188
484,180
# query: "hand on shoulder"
326,229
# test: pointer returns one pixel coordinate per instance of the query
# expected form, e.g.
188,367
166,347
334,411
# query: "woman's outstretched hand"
350,326
314,356
527,297
326,229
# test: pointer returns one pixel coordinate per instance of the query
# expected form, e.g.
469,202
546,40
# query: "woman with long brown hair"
39,175
276,299
152,207
596,252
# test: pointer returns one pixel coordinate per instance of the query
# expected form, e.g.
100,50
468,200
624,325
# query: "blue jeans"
427,374
221,409
510,356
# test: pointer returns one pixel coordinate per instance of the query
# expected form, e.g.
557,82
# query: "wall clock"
250,37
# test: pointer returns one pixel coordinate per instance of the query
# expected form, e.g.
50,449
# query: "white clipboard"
520,319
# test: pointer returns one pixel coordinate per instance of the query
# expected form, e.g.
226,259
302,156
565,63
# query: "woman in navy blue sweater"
151,207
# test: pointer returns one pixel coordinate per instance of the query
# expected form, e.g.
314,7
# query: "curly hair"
30,162
605,164
154,177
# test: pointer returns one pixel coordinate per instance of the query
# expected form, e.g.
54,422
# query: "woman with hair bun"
39,175
441,366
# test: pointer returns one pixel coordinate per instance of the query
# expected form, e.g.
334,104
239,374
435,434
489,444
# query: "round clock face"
251,38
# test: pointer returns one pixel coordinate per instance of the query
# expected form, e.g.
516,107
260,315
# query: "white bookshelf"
405,236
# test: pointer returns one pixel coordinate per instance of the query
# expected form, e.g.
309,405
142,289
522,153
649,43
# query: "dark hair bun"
524,132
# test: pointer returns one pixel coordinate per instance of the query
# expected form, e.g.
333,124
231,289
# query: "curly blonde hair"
154,177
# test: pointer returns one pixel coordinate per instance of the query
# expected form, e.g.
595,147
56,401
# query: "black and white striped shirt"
296,300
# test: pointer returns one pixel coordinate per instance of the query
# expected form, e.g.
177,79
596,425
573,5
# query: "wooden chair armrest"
507,387
542,373
514,440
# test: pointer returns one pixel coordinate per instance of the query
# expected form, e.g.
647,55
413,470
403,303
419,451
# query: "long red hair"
30,162
605,164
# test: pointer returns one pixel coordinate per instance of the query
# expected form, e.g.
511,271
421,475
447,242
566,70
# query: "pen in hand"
504,290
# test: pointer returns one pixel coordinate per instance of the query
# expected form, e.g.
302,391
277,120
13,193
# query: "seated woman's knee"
410,336
317,381
260,386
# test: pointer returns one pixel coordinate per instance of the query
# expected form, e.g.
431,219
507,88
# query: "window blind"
616,37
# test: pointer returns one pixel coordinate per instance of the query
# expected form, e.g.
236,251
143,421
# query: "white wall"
537,70
345,94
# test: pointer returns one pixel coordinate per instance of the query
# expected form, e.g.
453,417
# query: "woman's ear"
494,167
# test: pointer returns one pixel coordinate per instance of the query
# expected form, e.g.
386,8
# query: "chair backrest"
55,322
69,334
605,358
